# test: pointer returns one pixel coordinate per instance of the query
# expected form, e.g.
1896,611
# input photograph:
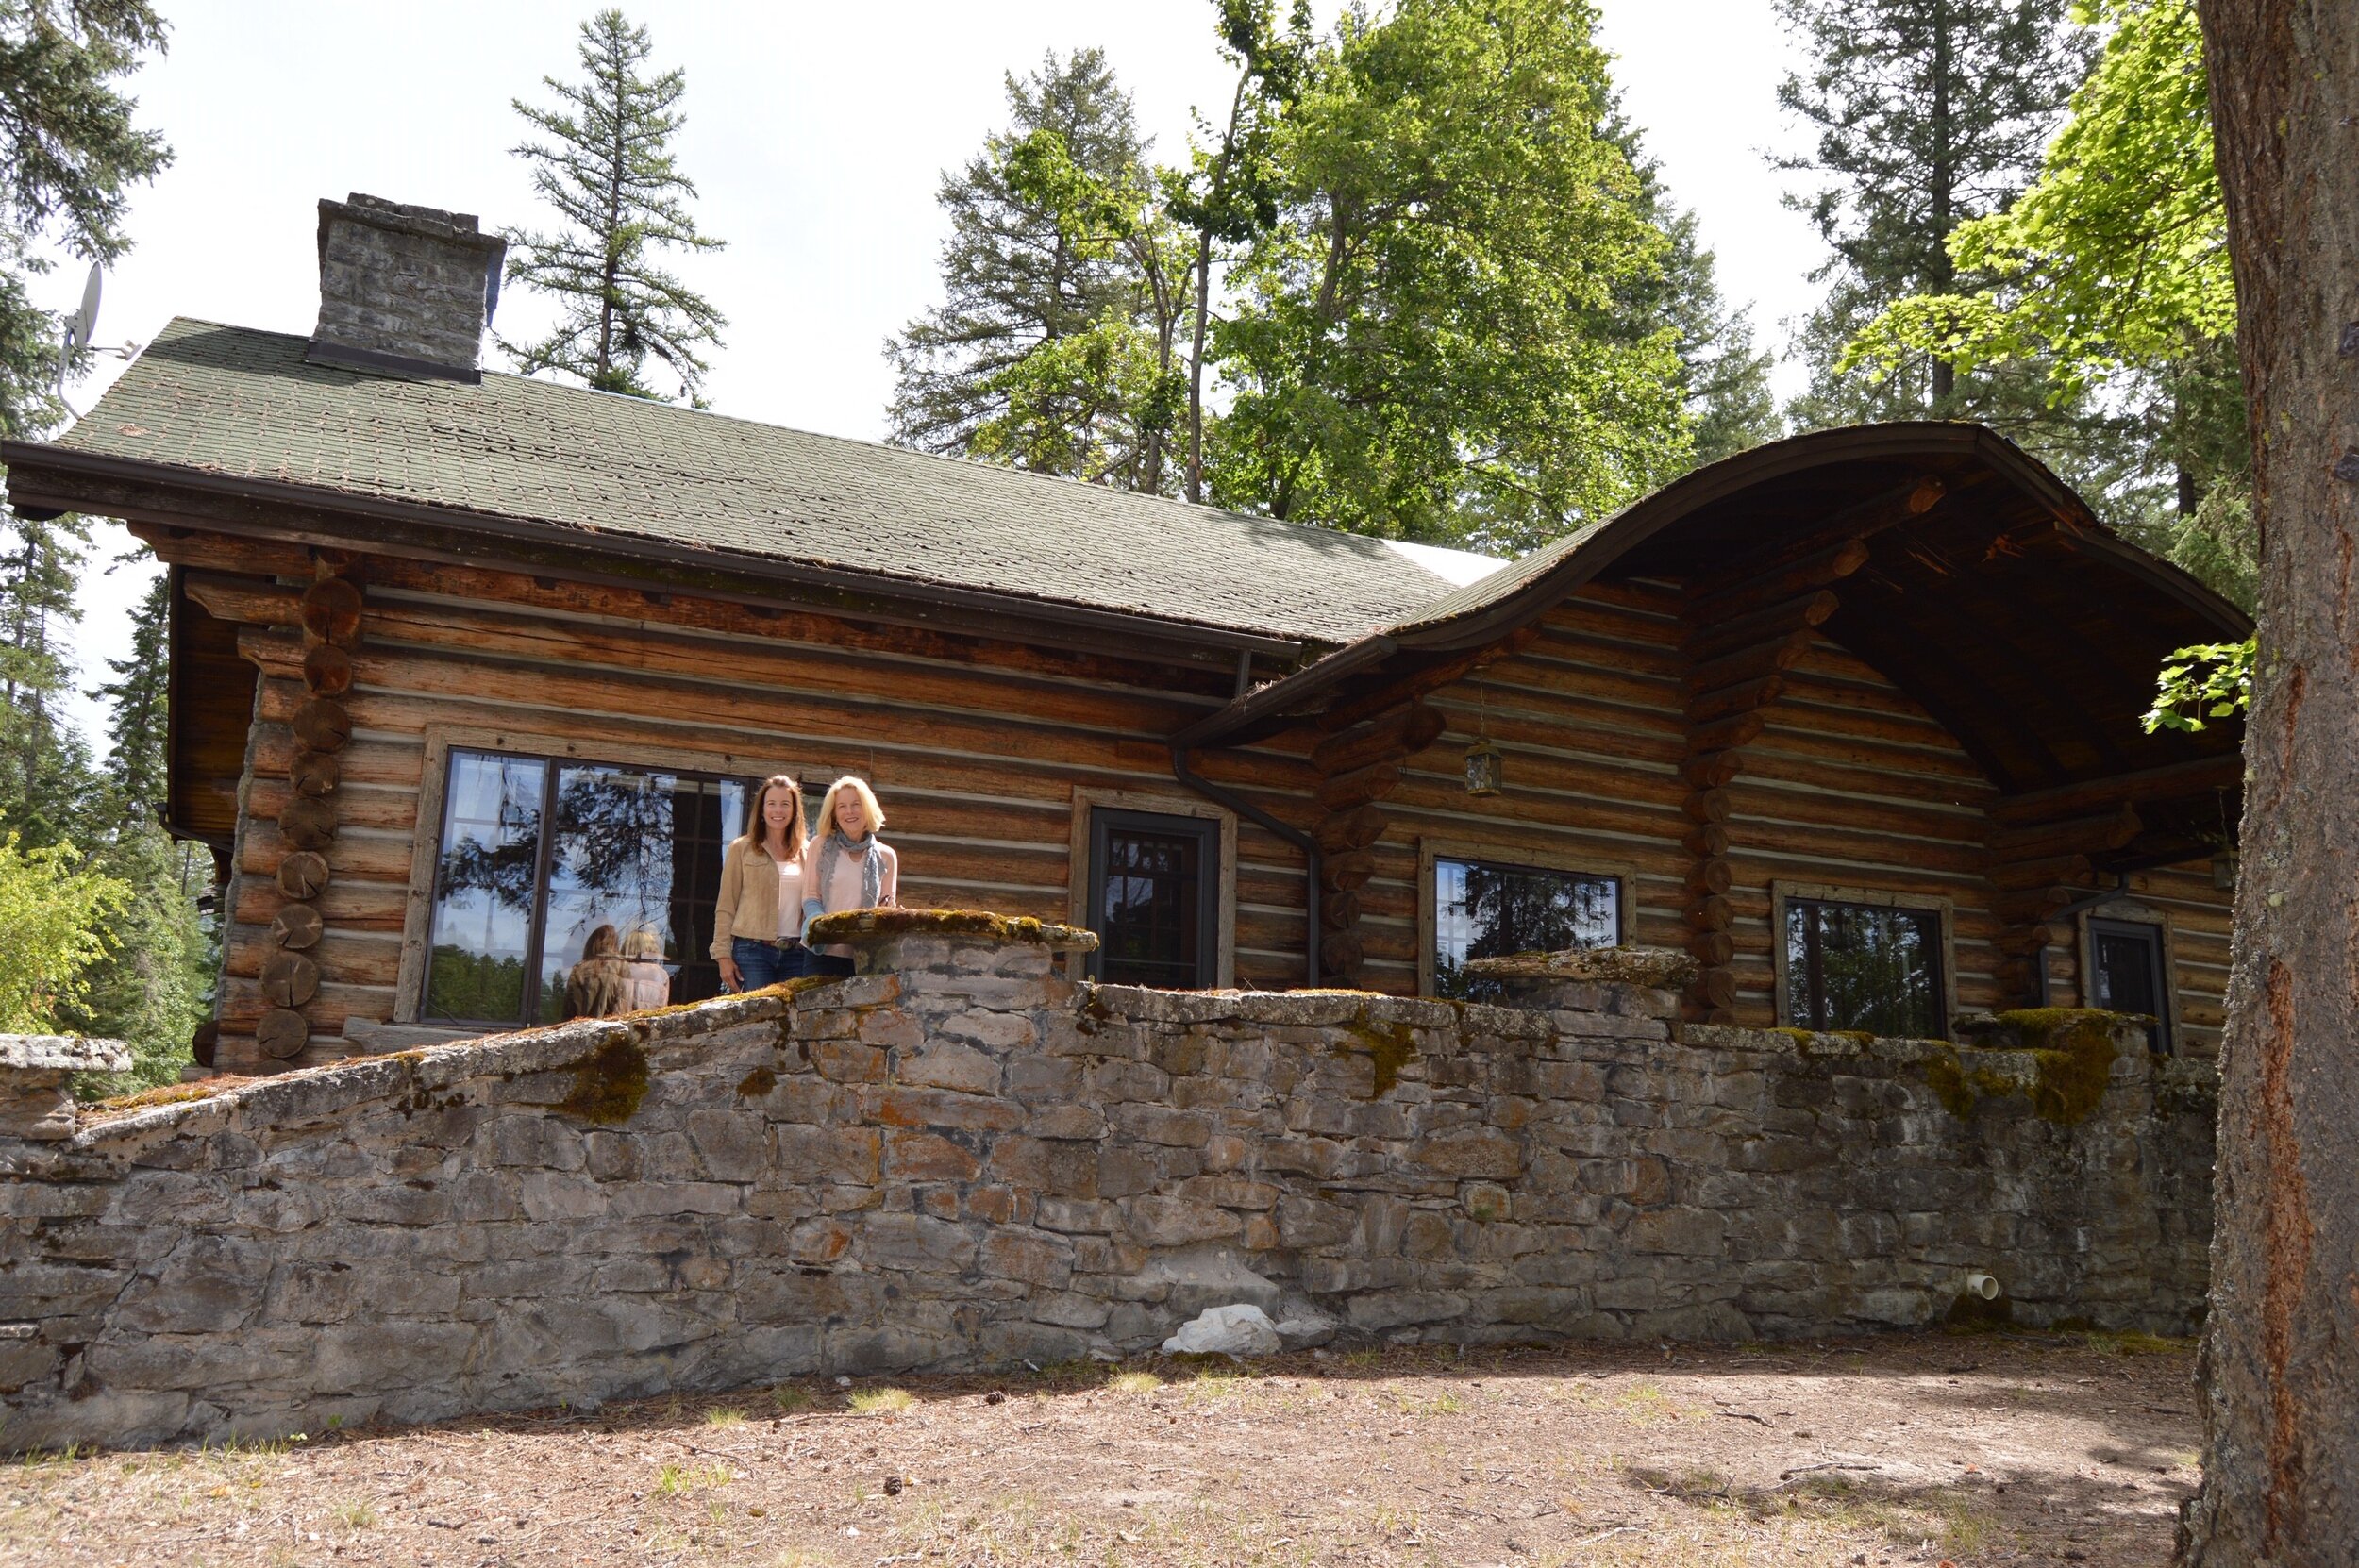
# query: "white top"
790,900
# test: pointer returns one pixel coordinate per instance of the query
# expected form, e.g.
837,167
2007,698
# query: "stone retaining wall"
960,1159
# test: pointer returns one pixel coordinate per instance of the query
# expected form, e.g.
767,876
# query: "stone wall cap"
61,1053
862,928
1656,968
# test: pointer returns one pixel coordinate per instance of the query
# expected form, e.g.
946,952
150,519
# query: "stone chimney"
404,290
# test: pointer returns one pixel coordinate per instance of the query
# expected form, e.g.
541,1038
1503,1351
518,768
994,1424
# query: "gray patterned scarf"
870,868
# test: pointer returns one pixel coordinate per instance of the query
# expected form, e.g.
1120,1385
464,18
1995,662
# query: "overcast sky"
816,134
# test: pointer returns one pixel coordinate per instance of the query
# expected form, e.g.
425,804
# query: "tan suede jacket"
748,903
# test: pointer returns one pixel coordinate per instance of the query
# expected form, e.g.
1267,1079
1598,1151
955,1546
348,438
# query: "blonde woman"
647,982
757,919
851,868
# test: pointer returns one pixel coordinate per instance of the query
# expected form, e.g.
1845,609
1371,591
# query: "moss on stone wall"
1390,1047
2075,1049
609,1083
869,924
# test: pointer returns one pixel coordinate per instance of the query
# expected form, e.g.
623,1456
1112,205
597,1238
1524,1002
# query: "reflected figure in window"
645,982
758,920
851,868
599,985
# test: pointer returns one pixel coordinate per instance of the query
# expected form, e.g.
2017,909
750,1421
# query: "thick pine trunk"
2280,1367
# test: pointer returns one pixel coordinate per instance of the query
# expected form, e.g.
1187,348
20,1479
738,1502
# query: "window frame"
434,784
1944,909
2120,916
1430,851
1080,887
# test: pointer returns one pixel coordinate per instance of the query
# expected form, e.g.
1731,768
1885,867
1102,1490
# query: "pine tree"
152,984
1927,114
68,154
139,715
607,167
47,788
1053,347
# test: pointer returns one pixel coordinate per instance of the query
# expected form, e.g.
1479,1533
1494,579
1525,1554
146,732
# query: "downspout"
2119,889
1304,841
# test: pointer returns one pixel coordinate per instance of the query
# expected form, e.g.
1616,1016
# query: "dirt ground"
1906,1449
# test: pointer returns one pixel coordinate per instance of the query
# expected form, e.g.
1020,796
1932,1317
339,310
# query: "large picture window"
1154,899
1482,909
1873,967
536,853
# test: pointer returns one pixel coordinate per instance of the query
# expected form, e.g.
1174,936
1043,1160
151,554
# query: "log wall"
977,753
980,748
1851,784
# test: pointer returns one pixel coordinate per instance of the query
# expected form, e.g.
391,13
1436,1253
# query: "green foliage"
1064,290
606,166
1429,341
68,155
2210,681
2117,255
1927,116
54,917
2107,282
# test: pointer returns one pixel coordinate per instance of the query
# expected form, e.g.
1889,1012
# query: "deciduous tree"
1431,340
2281,1456
606,165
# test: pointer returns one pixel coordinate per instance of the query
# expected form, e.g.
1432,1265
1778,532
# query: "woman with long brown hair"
758,920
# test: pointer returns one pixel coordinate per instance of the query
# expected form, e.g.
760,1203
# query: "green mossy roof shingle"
236,402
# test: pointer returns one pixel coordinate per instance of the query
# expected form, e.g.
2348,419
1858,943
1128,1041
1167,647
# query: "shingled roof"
233,402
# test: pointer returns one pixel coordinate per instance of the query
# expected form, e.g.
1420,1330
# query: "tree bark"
2279,1364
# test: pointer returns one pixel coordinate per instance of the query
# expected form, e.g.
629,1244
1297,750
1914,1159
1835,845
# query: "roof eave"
43,475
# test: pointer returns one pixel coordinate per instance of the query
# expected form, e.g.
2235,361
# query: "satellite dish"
87,319
83,324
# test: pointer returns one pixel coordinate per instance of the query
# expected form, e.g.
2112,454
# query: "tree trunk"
1196,366
2280,1365
1944,191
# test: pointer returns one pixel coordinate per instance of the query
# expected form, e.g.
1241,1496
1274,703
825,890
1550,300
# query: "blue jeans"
760,964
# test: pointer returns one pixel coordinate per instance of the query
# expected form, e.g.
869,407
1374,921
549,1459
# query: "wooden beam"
1910,498
2225,772
1725,600
1770,621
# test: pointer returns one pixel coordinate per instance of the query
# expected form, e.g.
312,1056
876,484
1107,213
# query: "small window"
1482,910
2125,969
1864,966
536,852
1154,899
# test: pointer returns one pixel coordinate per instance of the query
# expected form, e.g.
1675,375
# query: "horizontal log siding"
978,768
1587,717
1852,785
2199,917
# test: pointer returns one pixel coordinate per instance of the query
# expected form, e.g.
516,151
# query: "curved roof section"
231,402
2028,629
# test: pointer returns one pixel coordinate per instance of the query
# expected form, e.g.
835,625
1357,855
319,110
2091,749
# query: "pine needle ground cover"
1988,1449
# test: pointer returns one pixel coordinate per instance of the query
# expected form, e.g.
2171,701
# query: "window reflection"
1864,966
633,848
1482,910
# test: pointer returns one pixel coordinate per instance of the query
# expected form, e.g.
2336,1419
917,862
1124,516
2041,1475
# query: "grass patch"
725,1418
882,1401
786,1396
674,1480
353,1517
1134,1382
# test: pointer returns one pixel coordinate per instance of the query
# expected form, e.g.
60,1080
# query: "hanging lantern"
1485,768
2224,862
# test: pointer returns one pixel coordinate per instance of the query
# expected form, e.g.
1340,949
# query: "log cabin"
464,664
